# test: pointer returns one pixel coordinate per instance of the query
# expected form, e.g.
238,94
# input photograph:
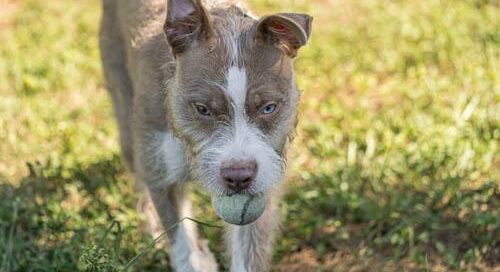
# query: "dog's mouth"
239,209
231,193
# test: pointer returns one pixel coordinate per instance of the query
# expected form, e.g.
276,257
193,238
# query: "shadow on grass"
57,213
393,228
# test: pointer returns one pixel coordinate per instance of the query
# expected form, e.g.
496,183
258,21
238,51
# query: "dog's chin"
254,189
265,183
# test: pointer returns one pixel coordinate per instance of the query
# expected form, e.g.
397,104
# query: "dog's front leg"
160,164
251,245
187,253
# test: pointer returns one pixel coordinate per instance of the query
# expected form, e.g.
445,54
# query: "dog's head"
233,99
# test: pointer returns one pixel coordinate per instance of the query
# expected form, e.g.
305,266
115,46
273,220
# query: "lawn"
395,168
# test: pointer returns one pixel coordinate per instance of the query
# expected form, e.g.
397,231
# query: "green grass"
396,166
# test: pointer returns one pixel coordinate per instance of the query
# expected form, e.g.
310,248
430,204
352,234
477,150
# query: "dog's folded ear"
187,21
287,31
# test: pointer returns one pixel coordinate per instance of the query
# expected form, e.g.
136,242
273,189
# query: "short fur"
161,64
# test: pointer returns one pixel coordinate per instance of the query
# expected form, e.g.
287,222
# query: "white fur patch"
237,87
167,159
175,157
239,248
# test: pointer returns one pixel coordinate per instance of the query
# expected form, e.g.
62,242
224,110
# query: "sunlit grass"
395,166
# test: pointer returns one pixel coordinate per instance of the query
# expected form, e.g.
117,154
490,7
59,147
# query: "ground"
395,167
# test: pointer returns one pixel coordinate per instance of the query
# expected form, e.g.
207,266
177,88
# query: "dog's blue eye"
202,109
269,108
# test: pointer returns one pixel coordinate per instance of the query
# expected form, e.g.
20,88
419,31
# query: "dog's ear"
287,31
187,21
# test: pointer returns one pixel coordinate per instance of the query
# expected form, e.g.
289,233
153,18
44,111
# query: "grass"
396,167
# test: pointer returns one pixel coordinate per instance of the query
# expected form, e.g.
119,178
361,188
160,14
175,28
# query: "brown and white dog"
205,92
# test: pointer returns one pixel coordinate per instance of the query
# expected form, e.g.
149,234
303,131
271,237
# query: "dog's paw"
209,262
201,260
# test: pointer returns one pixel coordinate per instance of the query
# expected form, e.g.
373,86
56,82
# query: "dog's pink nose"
238,175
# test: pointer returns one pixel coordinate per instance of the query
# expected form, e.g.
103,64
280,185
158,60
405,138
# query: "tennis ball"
239,209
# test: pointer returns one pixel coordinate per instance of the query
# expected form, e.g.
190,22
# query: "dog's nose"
238,175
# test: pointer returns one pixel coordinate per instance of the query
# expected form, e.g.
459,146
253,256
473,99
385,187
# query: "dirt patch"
345,261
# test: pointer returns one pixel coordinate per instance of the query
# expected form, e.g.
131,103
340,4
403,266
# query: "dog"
204,91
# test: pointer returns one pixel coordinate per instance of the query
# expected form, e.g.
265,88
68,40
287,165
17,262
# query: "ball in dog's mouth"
239,209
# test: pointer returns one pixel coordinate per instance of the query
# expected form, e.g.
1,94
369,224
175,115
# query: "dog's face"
233,98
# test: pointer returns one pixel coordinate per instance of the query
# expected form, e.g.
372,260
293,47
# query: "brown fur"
158,68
